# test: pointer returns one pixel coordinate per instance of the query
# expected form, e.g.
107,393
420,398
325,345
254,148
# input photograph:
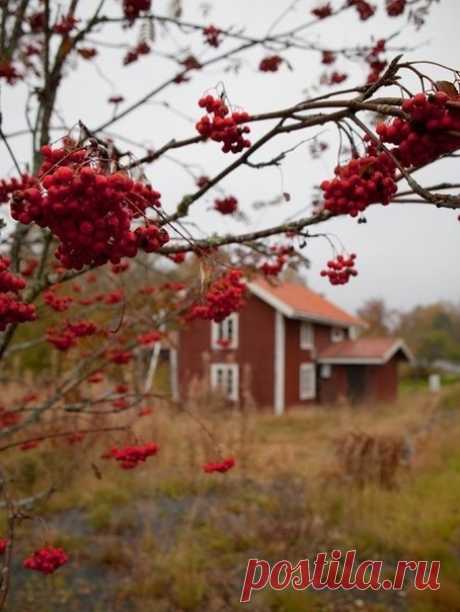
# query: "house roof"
365,351
296,301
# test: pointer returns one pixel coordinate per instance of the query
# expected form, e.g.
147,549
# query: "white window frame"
233,393
307,336
220,331
326,370
306,394
353,332
337,334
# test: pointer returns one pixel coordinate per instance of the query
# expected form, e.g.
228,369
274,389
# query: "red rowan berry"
219,466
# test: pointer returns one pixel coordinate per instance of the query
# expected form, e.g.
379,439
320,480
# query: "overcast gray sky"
406,254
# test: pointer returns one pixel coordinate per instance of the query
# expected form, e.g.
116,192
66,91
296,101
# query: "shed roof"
296,301
365,351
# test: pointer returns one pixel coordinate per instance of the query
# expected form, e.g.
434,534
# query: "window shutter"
307,381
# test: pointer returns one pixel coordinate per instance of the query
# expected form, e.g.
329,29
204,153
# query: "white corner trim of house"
279,364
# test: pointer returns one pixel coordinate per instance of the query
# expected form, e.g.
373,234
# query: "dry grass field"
168,537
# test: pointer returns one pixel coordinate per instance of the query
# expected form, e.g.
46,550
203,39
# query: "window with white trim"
225,379
326,370
224,335
353,332
306,336
337,334
307,381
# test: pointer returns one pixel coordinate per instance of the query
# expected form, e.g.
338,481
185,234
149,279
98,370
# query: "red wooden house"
293,347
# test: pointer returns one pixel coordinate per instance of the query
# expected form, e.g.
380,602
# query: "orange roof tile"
303,302
365,349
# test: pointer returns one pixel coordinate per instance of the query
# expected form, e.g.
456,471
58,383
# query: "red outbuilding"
288,346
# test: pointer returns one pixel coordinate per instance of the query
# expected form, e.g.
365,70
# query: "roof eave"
316,319
351,361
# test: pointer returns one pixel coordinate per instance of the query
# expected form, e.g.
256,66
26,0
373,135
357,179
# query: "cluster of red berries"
376,63
219,466
65,25
365,9
130,456
431,131
123,266
270,63
191,63
9,281
273,268
323,11
62,340
12,308
36,21
9,186
212,36
149,338
223,126
8,418
88,209
340,270
177,258
111,298
151,238
57,303
362,181
226,295
46,560
82,329
396,7
9,72
226,206
3,544
133,8
143,48
335,78
66,338
119,357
